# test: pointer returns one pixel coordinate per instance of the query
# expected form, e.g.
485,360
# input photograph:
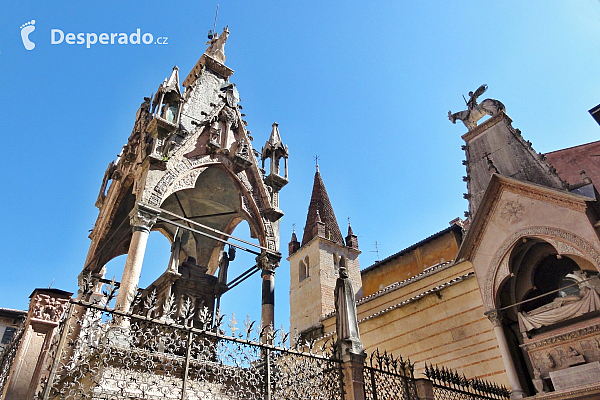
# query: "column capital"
268,262
142,219
495,317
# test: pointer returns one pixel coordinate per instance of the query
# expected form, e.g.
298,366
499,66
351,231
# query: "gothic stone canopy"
190,154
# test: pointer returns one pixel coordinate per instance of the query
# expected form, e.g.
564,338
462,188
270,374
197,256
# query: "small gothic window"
307,263
303,268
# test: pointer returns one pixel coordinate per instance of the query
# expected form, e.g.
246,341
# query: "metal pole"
186,367
57,356
373,384
268,375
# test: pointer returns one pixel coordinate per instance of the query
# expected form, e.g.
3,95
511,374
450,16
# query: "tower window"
303,268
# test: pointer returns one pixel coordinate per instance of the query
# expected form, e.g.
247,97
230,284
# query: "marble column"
267,262
513,377
141,222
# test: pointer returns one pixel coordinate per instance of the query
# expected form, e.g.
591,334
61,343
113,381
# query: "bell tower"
315,264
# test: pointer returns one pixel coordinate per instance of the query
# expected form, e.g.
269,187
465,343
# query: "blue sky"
365,85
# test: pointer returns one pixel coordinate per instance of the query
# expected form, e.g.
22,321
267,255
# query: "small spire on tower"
351,239
294,243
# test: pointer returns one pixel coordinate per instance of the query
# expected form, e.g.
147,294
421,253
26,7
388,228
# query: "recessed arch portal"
564,242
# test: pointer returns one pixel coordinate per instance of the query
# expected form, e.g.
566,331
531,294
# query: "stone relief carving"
503,272
48,308
587,250
512,211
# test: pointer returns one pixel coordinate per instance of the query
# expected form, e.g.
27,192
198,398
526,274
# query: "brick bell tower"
315,264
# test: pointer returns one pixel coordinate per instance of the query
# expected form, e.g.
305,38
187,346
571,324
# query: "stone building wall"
449,329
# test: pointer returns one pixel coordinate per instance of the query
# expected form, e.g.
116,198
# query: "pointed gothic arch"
564,242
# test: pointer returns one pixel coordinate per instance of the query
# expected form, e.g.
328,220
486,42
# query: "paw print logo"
26,29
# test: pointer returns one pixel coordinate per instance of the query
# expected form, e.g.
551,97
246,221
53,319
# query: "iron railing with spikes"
450,385
177,350
389,377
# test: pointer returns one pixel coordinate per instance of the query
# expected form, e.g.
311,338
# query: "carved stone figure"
538,382
548,361
216,45
560,309
476,111
346,319
224,264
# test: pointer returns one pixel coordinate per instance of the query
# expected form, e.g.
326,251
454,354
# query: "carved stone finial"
475,111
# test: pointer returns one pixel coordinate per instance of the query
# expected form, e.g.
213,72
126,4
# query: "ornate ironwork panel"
387,377
7,356
100,353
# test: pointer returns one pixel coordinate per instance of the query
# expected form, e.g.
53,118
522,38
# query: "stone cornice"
579,393
577,333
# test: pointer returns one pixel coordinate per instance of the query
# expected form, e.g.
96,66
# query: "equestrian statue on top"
476,111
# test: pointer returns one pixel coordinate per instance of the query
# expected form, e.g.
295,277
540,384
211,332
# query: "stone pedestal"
45,311
424,389
354,381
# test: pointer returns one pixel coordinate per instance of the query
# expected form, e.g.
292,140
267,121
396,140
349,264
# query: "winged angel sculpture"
475,111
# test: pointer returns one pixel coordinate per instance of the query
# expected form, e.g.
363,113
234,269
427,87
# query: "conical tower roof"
320,207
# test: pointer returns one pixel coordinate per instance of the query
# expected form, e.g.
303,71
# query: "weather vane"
212,32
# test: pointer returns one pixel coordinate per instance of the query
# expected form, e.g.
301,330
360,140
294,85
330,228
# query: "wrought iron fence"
387,377
7,355
450,385
103,353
